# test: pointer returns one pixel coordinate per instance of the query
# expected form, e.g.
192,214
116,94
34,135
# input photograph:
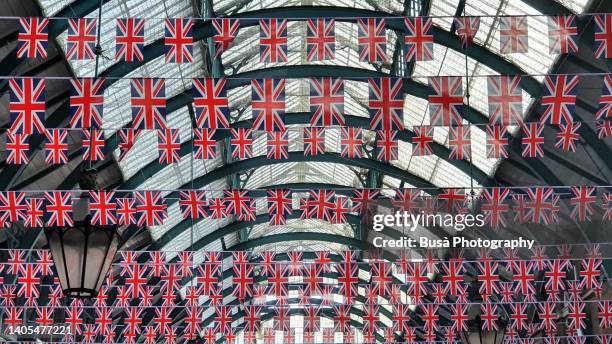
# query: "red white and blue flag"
13,207
562,34
466,29
178,40
505,100
422,141
148,99
169,145
81,39
126,212
17,148
540,205
268,104
497,141
127,139
273,40
387,144
459,142
603,36
559,98
320,39
86,103
130,39
582,201
102,208
386,104
225,33
277,145
151,208
241,143
27,105
314,141
533,140
495,205
35,213
326,101
351,142
445,101
605,101
418,39
513,35
93,144
568,136
210,102
58,209
238,203
204,144
371,39
279,206
33,37
320,204
193,204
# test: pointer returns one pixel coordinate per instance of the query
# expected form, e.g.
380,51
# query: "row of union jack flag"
149,208
418,37
385,102
266,285
351,143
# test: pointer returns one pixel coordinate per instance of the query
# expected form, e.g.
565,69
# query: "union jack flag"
326,101
386,104
320,39
178,40
445,100
17,148
86,100
351,142
605,101
127,139
13,206
562,34
320,204
238,202
559,98
386,142
148,98
129,40
489,317
58,209
497,140
467,27
279,206
590,273
150,208
459,143
268,104
451,200
603,36
81,39
604,129
371,39
495,206
204,144
93,144
273,40
605,313
422,141
27,280
241,143
169,146
583,198
102,208
217,208
35,214
211,103
27,105
540,205
505,100
314,141
576,315
225,32
278,145
568,136
406,200
242,279
418,41
533,140
348,280
488,278
513,35
32,39
340,209
193,204
365,202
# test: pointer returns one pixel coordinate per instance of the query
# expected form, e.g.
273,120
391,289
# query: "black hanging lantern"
83,253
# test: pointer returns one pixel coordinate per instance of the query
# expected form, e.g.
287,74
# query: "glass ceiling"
244,57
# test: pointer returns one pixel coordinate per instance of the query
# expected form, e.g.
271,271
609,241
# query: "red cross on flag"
505,100
603,36
277,145
320,39
241,143
178,40
459,143
27,105
17,148
418,39
351,142
559,99
513,35
204,144
533,140
102,208
562,34
568,136
81,39
210,102
314,141
148,99
225,33
59,208
193,204
445,101
32,38
495,206
169,146
273,40
151,208
386,104
467,27
371,39
422,141
268,104
326,101
387,144
93,144
86,103
130,40
497,141
279,206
